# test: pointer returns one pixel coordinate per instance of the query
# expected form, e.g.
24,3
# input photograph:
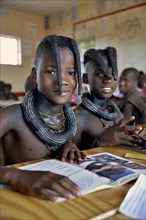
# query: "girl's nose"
108,78
64,80
63,77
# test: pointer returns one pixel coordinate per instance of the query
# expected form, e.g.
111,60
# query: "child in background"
8,92
44,122
142,85
131,103
99,120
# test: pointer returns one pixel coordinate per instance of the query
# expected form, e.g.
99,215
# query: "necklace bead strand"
51,114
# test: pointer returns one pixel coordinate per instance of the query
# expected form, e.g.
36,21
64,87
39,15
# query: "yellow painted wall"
30,28
102,23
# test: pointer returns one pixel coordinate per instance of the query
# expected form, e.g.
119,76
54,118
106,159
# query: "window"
10,50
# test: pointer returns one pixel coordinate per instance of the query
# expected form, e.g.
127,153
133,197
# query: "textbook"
96,172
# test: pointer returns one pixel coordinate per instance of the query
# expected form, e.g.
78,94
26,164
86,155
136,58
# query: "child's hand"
141,133
137,132
70,151
38,183
121,134
141,137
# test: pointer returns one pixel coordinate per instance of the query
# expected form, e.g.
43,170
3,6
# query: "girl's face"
46,76
99,84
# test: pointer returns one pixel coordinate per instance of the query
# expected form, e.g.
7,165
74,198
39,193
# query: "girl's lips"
64,92
107,90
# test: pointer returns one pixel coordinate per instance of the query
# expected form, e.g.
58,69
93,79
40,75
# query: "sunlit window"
10,50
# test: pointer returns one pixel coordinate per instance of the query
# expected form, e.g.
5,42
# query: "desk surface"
15,205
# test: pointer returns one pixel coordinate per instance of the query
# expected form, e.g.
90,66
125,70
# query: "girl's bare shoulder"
80,111
10,117
11,112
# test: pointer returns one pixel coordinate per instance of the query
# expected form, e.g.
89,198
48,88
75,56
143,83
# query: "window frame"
18,51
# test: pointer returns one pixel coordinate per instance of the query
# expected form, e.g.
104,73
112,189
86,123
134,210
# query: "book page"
109,166
134,204
87,181
113,159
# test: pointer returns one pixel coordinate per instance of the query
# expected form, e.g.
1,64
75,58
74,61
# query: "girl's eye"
72,73
51,72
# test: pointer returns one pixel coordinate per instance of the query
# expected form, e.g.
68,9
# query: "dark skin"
17,136
90,126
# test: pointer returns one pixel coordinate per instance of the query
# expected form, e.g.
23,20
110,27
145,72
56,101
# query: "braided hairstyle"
97,56
55,42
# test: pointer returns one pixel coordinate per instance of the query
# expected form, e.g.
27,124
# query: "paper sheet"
136,156
134,204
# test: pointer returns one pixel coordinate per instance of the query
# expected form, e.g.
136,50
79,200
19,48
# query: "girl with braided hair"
99,120
44,123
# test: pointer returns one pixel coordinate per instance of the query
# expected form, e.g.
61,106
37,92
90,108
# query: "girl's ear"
33,74
85,78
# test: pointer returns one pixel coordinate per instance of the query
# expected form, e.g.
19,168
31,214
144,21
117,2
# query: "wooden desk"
144,126
16,206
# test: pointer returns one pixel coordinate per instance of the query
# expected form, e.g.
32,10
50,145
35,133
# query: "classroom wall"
30,28
124,29
119,23
102,23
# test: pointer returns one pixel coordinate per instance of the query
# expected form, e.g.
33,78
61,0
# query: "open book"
96,172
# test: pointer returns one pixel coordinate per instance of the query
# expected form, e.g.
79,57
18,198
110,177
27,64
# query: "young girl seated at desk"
99,120
44,122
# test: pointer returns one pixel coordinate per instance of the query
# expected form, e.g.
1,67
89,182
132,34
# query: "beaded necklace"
51,137
57,124
47,113
113,114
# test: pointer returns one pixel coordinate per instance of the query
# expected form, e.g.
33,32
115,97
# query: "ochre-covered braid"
97,57
112,54
78,64
57,57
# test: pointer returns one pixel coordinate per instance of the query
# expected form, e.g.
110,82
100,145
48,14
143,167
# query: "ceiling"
42,7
